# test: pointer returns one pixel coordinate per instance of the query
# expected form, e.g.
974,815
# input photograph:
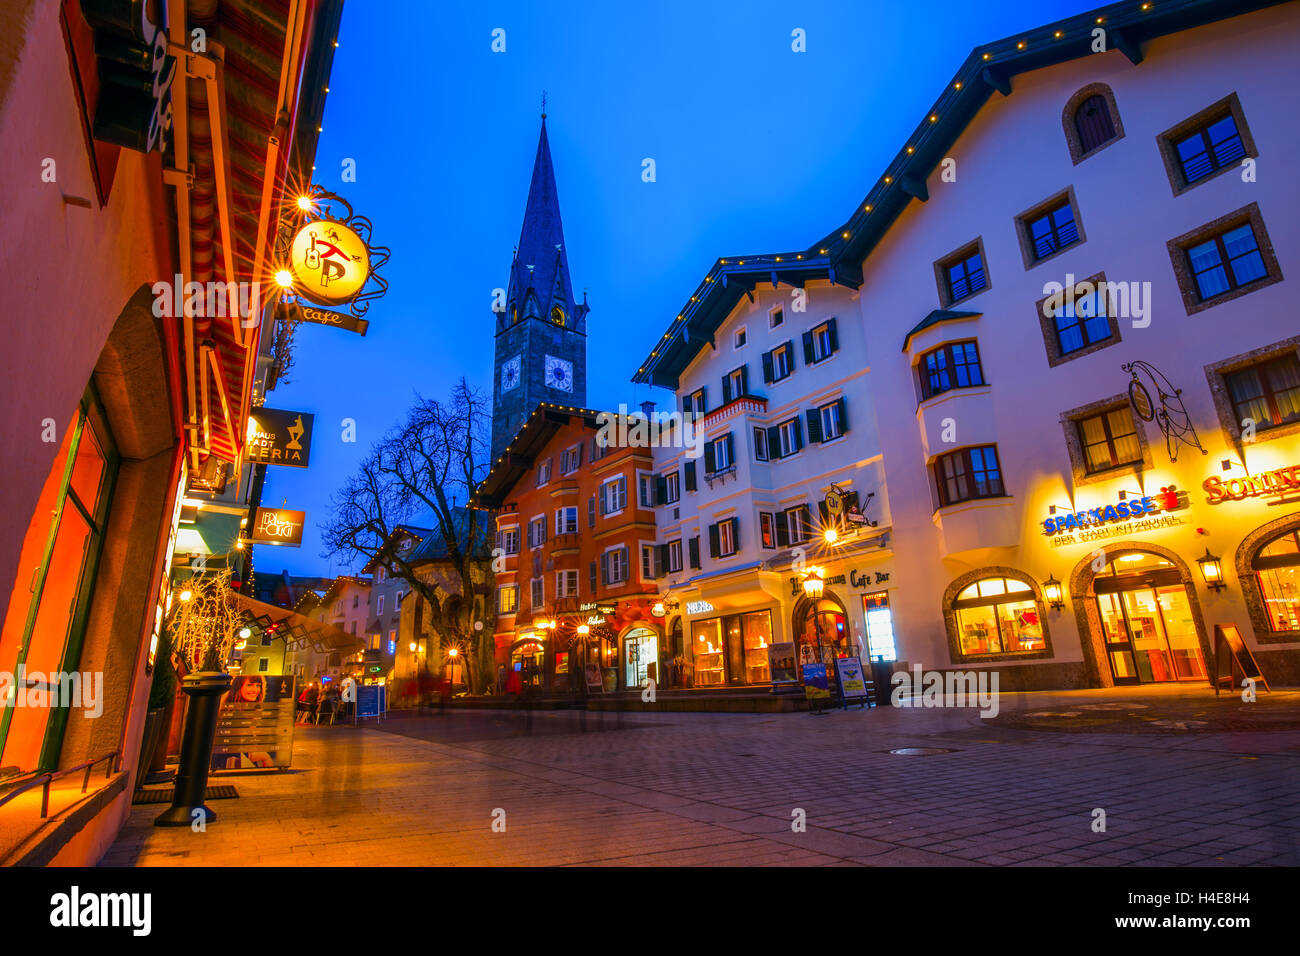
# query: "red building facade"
576,562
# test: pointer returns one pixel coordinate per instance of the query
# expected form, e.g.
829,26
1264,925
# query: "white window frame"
501,592
645,489
719,454
648,551
568,456
786,432
616,551
562,581
543,473
793,517
561,525
535,540
674,556
726,542
821,342
761,452
380,608
536,584
737,379
771,523
772,313
782,352
739,338
510,535
672,487
605,488
831,412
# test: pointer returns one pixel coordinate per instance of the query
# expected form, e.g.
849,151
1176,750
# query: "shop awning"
295,629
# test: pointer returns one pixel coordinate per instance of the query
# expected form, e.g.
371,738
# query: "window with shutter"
814,425
690,476
591,512
693,549
713,541
592,577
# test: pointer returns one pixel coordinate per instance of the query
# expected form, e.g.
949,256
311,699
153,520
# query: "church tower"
541,336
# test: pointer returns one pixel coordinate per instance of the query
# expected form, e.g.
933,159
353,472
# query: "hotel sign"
277,437
698,607
278,526
1281,481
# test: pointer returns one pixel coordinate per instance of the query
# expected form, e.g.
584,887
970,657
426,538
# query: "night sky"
757,149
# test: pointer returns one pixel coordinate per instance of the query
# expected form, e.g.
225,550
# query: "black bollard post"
205,691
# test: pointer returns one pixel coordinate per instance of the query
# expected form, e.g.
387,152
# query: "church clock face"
559,374
510,374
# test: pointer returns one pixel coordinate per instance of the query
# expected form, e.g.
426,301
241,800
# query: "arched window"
1093,123
998,615
1277,572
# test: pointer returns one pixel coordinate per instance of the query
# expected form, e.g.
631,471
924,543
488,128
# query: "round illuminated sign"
1141,400
329,262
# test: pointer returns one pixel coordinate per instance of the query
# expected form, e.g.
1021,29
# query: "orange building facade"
576,561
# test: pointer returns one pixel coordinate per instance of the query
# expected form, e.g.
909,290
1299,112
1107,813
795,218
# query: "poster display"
853,682
255,725
781,660
372,701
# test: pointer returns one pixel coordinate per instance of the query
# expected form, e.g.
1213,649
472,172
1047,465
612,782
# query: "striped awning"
253,37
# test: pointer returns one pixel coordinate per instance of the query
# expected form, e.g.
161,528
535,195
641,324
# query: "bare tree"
431,462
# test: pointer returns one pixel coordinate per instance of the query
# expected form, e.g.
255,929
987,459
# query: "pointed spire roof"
541,245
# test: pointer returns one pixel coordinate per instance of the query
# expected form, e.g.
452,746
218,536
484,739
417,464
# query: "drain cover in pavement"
164,794
921,751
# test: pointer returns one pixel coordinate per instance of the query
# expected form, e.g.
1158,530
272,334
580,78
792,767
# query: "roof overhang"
520,455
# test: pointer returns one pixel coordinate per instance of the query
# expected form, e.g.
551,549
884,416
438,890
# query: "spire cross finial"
543,104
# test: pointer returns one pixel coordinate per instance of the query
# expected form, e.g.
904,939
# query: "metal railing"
45,779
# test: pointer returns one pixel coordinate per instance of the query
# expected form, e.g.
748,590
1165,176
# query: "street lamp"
814,586
1212,571
1052,592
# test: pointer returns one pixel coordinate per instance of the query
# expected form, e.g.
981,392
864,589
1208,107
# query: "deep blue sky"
757,149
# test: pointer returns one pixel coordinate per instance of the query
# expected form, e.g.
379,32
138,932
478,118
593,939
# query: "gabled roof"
397,534
519,456
989,68
433,547
934,318
339,583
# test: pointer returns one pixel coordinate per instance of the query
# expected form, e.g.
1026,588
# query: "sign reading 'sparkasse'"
277,437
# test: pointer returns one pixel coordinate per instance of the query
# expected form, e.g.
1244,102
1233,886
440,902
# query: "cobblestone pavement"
581,788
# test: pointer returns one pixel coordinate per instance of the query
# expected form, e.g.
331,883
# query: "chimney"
648,410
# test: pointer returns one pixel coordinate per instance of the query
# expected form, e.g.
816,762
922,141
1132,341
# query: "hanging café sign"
1114,519
330,261
277,437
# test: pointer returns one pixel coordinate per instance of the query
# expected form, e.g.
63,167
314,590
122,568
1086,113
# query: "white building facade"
1073,360
780,399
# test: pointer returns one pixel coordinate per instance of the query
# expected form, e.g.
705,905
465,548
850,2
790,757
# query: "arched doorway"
1142,618
640,657
527,661
824,623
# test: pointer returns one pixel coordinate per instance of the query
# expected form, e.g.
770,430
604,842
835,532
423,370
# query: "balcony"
981,524
956,418
564,544
737,406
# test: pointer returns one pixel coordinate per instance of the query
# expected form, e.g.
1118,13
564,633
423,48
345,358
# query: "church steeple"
541,348
539,274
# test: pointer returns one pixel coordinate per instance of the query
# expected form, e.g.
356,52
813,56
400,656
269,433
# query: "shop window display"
707,652
1277,572
998,616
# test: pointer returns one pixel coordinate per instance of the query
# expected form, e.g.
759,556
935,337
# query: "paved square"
683,789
